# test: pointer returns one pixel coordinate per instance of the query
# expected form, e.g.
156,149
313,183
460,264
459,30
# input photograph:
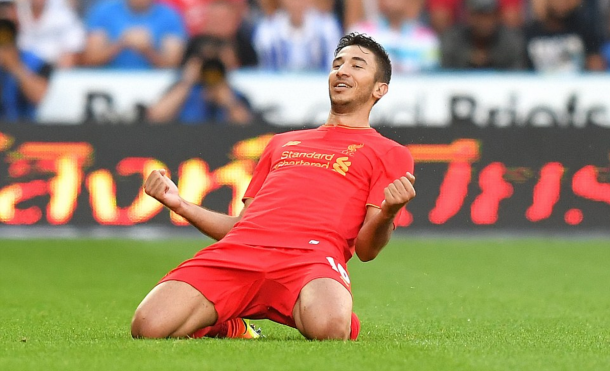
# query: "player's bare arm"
212,224
378,223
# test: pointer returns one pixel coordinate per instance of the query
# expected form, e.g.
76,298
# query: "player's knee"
329,328
144,326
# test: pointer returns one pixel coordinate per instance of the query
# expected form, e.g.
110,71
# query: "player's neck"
355,119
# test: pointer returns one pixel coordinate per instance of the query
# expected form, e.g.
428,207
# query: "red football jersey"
311,188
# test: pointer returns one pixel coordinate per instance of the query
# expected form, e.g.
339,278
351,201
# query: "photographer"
23,76
203,94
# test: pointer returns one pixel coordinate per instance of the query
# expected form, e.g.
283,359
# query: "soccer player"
316,197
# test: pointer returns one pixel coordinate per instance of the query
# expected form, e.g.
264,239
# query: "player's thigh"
323,310
172,309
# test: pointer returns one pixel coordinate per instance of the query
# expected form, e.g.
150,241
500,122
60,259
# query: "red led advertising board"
468,178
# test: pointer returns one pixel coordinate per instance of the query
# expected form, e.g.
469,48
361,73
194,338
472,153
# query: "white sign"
111,96
440,99
490,99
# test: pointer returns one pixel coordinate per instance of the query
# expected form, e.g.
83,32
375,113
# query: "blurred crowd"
206,39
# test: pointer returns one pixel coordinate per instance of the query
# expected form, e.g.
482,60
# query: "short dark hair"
384,65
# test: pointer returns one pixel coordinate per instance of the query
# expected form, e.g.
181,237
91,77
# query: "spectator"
203,94
357,11
605,51
446,13
224,20
335,8
264,8
412,46
296,37
593,11
207,46
196,12
82,7
563,40
51,30
603,9
193,12
23,75
135,34
483,42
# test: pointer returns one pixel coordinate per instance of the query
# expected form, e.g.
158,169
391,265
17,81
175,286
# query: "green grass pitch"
443,304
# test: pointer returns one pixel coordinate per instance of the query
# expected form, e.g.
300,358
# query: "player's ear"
381,89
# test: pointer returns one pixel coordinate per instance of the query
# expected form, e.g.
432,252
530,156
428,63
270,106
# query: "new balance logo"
292,143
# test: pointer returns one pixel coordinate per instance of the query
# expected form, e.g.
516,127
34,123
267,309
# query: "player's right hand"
160,187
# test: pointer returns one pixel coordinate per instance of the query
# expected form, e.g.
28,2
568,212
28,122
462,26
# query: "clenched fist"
160,187
398,194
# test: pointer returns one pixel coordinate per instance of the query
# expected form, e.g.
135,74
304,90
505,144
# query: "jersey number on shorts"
339,268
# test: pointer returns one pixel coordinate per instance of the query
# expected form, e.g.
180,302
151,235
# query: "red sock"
227,329
355,327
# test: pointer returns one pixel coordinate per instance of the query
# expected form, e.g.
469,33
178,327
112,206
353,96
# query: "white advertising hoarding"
488,99
109,96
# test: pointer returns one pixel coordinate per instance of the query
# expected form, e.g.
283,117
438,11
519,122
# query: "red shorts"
257,282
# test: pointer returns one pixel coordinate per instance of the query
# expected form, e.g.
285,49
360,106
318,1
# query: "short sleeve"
95,18
74,36
36,65
174,24
391,166
261,171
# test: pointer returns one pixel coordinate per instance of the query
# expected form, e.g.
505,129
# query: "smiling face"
353,79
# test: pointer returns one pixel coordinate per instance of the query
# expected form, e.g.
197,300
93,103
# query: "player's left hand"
398,194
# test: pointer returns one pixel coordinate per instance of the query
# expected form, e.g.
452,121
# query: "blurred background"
503,104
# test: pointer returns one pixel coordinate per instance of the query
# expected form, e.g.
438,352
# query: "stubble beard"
341,105
346,105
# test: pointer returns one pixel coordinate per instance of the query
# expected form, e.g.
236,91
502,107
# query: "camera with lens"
8,32
212,72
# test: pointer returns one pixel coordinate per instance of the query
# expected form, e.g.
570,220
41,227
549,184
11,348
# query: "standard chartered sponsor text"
314,155
287,156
